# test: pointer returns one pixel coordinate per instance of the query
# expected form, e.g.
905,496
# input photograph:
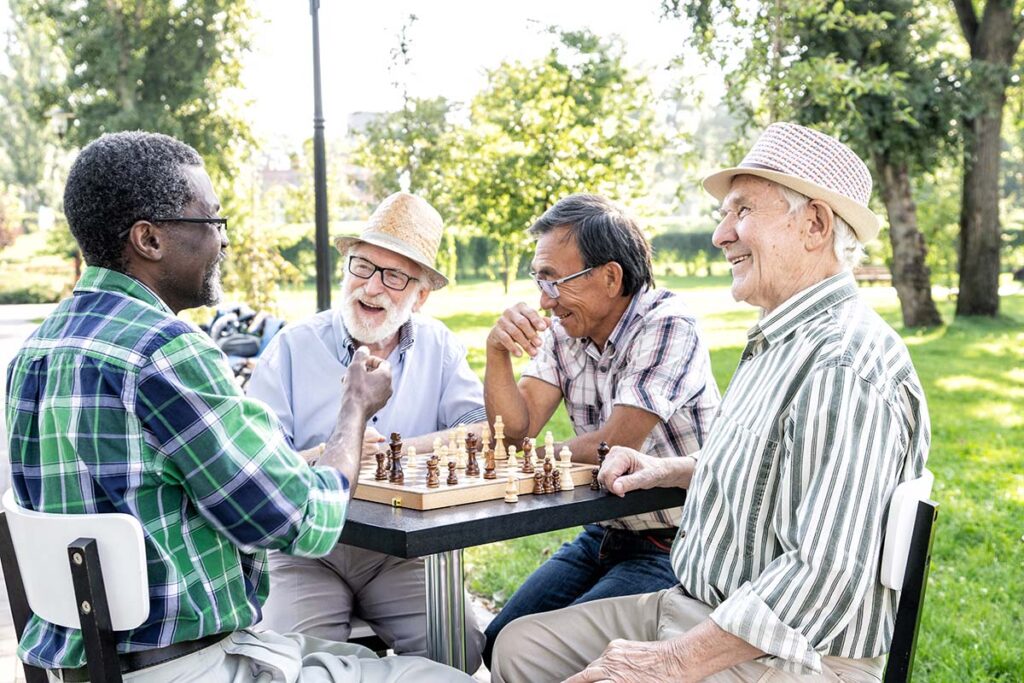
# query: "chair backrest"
41,544
899,530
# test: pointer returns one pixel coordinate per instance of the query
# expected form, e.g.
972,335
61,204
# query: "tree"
150,65
576,120
26,95
994,40
849,68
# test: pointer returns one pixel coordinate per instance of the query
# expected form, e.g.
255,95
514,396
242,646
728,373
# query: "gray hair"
848,249
121,178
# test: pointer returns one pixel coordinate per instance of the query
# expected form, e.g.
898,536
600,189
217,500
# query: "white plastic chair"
85,572
906,557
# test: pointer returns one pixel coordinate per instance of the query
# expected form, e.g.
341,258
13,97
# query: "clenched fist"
518,329
367,383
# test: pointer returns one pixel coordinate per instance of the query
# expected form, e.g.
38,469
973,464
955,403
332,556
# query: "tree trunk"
510,258
993,41
979,212
910,274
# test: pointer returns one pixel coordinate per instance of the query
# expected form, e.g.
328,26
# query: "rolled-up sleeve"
462,393
544,366
664,368
234,461
853,442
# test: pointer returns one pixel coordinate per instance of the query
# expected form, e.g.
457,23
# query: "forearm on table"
502,396
343,449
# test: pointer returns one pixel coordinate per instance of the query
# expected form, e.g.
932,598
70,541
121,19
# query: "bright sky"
453,42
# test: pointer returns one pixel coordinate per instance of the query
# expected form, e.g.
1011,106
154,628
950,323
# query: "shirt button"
682,535
603,368
374,418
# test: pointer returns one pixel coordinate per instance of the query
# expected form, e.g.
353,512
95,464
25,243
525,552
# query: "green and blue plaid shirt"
116,405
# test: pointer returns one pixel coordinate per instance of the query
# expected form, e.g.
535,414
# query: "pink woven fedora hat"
407,225
813,164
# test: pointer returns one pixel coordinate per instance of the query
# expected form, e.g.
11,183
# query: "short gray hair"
848,249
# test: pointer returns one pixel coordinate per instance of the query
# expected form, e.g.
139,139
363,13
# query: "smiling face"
372,312
587,306
763,243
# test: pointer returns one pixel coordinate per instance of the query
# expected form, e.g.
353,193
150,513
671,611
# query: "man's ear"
145,241
820,226
611,274
421,297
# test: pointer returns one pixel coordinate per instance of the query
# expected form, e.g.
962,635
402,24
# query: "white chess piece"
442,456
512,489
499,436
410,454
549,445
437,445
565,464
512,463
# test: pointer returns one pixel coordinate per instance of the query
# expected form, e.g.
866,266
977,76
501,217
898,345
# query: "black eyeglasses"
221,223
392,279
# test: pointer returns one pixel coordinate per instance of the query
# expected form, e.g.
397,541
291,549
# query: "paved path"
17,323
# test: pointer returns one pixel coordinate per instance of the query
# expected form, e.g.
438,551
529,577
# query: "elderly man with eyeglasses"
632,369
389,273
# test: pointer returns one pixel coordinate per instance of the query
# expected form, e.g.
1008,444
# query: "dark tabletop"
413,533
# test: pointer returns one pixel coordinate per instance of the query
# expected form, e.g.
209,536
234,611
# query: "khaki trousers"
555,645
266,657
318,597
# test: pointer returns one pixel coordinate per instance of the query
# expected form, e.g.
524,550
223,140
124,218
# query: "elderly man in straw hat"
779,544
389,273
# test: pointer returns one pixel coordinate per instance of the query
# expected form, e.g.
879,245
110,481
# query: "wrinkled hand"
631,661
626,470
367,382
518,330
311,455
372,440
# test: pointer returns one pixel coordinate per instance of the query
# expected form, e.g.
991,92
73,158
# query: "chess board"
414,494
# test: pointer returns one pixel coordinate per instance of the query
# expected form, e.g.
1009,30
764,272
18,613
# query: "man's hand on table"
631,661
518,329
626,469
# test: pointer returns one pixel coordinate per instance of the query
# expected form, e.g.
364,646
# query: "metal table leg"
446,609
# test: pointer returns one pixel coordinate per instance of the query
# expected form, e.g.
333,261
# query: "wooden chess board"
414,493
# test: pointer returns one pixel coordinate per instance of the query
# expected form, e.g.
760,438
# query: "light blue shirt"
299,377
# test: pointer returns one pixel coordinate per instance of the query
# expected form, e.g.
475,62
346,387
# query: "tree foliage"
577,120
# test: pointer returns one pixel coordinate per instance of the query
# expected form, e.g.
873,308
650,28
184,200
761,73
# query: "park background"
494,111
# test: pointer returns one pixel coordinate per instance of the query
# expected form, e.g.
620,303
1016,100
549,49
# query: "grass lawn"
973,375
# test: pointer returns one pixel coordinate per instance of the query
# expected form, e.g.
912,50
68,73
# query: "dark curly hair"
604,232
121,178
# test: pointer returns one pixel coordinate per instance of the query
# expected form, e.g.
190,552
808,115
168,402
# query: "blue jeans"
599,563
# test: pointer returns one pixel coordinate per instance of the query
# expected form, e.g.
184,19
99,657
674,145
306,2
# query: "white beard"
367,332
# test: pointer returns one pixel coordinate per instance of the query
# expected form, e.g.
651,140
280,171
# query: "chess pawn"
538,483
499,437
461,458
452,439
549,486
410,453
512,462
485,438
556,482
549,445
442,457
527,457
602,452
489,465
564,465
437,445
595,484
512,489
452,479
381,474
433,476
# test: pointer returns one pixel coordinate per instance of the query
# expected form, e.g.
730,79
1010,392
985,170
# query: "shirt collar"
623,326
347,345
804,306
96,279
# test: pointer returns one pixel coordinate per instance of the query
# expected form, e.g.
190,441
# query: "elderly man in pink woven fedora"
389,273
780,540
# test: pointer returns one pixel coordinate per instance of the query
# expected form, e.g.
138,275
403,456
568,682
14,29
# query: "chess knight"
632,370
389,273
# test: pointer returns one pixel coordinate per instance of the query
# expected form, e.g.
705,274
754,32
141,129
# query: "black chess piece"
433,474
602,452
452,479
395,474
381,474
472,466
489,465
527,457
538,483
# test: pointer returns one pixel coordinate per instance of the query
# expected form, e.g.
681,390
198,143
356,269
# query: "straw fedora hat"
407,225
813,164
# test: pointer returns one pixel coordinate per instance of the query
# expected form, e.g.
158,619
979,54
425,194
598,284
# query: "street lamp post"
323,253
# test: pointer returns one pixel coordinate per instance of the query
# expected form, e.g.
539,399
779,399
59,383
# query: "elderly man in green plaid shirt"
116,405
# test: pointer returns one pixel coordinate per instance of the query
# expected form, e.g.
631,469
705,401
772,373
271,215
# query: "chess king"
633,371
389,274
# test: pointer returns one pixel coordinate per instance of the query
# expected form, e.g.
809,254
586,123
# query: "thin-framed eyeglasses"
721,213
221,223
550,287
389,277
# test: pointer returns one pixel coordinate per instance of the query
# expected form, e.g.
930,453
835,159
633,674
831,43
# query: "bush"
31,294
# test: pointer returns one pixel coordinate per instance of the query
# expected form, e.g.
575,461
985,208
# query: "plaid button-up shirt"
782,529
115,405
654,360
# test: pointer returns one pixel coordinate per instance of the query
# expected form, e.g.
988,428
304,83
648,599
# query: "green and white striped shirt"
782,530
